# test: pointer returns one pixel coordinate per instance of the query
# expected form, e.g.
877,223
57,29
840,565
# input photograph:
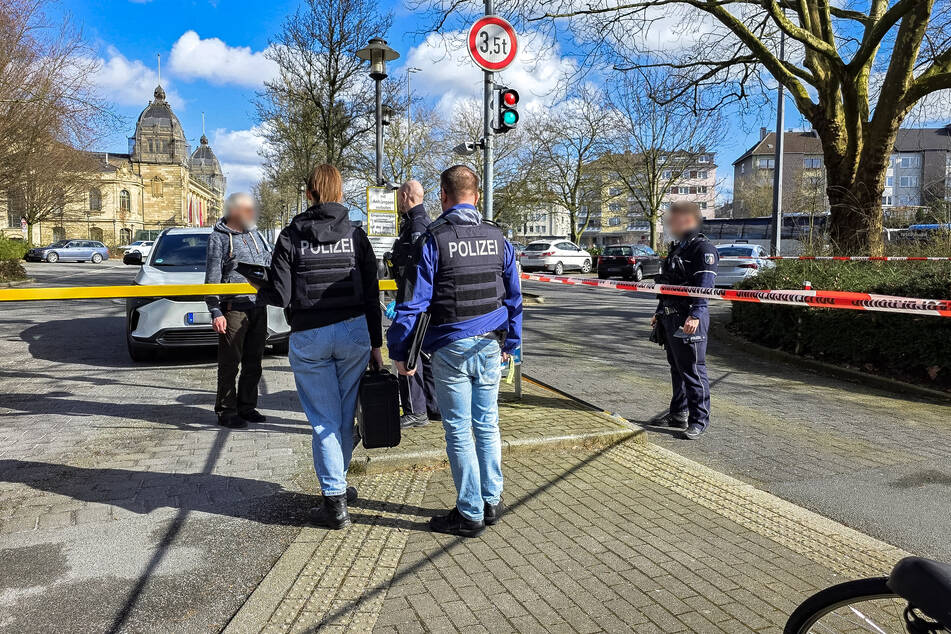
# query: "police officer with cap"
684,321
466,278
417,392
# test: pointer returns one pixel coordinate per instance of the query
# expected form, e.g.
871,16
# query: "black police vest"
469,275
327,276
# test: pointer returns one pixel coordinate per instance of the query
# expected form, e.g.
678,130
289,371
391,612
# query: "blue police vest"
469,273
327,276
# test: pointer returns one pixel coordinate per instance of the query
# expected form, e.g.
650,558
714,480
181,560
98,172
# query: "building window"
614,191
666,174
151,147
765,163
702,174
614,207
907,161
16,208
58,234
125,201
703,159
614,221
702,205
812,163
158,187
742,168
95,233
908,181
125,235
95,200
887,200
683,190
889,181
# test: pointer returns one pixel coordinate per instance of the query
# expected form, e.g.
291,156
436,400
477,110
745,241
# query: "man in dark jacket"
417,392
241,324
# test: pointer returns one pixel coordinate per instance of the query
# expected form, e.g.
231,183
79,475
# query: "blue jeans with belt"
466,374
328,363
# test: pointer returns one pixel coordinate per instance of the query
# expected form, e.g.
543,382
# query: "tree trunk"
855,224
655,240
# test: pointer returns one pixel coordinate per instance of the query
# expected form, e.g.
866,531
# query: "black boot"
332,512
351,495
492,513
454,523
671,419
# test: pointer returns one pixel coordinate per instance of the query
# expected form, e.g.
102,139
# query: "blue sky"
212,61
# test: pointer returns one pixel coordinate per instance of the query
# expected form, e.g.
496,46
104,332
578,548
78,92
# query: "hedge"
13,249
908,347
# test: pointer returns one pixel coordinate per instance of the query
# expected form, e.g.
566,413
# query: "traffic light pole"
487,136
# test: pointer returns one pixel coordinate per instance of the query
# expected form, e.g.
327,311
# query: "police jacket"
323,269
466,279
413,224
692,261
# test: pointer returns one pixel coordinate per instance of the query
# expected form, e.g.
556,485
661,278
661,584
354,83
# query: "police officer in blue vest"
466,278
684,321
417,392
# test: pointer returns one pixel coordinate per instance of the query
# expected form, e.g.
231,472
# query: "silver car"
556,256
739,261
153,324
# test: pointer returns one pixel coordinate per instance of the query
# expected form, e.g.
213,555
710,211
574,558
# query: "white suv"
556,256
153,324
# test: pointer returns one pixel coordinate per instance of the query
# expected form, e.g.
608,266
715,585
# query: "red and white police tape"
843,258
817,299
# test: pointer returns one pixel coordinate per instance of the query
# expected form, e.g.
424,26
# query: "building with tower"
158,183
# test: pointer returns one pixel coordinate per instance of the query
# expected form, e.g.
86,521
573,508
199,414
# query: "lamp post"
378,54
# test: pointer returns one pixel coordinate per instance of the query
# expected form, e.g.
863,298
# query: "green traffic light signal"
510,118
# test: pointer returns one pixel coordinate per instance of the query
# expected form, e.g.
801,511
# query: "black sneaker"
671,419
692,432
493,513
231,421
453,523
435,417
408,421
351,495
253,416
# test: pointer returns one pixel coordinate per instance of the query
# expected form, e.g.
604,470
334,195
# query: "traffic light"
506,108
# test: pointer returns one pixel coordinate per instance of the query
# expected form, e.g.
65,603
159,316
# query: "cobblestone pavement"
630,537
870,459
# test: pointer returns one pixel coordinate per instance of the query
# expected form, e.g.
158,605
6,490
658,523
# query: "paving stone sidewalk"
621,537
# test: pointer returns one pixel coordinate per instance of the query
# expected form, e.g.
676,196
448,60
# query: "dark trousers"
688,370
418,392
242,345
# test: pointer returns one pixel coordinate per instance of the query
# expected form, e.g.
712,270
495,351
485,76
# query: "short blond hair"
686,207
325,184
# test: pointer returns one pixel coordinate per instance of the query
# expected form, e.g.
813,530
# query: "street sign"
492,43
381,212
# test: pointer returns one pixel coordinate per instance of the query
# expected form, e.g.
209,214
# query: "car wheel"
96,258
586,266
559,268
52,257
638,274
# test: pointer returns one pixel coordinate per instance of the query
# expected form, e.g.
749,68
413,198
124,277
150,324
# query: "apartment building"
547,221
617,215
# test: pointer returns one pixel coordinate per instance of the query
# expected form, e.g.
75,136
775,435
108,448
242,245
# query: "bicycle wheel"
864,605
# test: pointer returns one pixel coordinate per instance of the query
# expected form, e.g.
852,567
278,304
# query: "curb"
16,283
856,376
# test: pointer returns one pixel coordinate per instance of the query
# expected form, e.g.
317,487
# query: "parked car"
739,261
556,256
70,251
154,324
631,262
142,246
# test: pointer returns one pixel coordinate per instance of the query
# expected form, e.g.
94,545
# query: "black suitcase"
378,409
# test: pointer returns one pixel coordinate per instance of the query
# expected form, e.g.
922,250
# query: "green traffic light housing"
506,102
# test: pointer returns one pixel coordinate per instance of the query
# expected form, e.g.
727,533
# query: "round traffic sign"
492,43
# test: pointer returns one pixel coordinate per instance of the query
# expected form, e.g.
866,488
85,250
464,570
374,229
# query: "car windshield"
181,250
617,251
538,246
726,252
58,245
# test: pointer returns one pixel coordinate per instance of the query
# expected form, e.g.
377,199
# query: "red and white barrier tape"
842,258
817,299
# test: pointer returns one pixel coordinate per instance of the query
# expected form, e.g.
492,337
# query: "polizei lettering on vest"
344,245
466,248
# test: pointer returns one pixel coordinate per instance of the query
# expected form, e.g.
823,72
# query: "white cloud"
448,75
130,82
237,151
213,60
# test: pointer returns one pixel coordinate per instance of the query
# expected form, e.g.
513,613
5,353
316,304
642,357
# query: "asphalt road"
873,460
123,506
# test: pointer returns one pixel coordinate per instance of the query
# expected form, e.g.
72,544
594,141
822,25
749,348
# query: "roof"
924,139
159,114
204,157
806,142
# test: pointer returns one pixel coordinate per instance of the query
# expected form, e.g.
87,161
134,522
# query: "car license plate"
197,319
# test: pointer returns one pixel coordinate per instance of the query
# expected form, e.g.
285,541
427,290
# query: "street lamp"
378,54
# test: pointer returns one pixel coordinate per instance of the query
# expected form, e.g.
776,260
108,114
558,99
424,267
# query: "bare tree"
656,142
855,70
565,141
319,105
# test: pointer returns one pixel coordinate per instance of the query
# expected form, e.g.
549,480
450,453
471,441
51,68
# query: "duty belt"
670,311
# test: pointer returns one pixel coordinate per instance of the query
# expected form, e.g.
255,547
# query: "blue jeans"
328,363
467,374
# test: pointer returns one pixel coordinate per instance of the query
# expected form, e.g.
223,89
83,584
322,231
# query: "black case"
378,409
